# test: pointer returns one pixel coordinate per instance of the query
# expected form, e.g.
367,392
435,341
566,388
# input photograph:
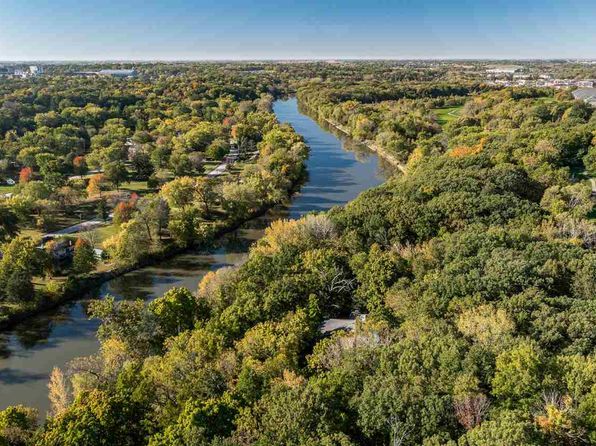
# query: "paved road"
219,170
89,174
83,226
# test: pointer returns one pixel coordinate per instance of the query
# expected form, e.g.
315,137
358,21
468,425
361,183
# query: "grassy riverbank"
75,286
371,145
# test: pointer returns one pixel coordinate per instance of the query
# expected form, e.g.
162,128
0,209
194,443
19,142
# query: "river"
338,171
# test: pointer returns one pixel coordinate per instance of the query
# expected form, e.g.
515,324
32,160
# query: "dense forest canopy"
476,270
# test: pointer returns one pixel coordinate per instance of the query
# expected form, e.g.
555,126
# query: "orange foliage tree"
25,175
79,164
95,183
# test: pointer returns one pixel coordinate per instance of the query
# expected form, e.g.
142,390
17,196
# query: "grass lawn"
100,234
447,114
40,282
31,232
73,215
5,189
139,187
238,167
546,100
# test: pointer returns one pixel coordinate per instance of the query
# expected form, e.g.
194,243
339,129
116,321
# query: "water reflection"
33,348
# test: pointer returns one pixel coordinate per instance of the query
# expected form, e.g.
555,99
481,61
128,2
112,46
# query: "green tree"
17,425
176,311
102,209
238,199
84,259
199,422
519,374
180,192
180,163
590,160
50,170
183,225
376,272
130,244
116,173
506,428
205,193
217,149
19,286
8,224
97,418
141,162
20,261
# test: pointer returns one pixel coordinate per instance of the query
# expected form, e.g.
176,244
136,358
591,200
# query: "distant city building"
118,73
35,70
586,94
503,70
21,71
6,71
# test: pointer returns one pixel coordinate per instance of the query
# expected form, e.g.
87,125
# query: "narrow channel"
338,171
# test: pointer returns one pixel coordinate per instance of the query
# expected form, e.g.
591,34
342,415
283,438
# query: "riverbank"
370,145
335,175
76,286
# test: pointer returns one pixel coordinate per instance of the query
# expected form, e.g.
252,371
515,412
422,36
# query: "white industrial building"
117,73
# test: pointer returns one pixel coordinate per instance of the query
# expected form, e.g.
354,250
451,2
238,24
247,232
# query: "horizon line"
309,59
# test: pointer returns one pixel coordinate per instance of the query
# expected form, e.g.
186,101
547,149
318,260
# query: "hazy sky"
282,29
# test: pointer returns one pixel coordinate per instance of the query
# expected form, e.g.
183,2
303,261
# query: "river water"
338,171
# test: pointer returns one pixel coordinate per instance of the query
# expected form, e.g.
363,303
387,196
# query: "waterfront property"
336,176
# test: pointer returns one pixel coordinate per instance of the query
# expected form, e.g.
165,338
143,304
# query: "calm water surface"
337,172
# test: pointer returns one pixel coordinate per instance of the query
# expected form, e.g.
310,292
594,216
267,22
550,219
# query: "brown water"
337,172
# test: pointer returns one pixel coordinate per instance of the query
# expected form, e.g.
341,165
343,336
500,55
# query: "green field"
100,234
5,188
139,187
447,114
546,100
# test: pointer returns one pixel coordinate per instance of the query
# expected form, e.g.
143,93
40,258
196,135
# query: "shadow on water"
338,170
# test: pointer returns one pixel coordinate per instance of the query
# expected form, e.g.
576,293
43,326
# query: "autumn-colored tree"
205,193
59,394
180,192
471,409
95,185
130,244
25,175
84,259
462,151
124,211
79,165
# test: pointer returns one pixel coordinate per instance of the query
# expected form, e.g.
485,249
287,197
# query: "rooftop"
585,94
122,73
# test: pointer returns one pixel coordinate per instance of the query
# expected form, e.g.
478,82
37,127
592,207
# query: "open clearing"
447,114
